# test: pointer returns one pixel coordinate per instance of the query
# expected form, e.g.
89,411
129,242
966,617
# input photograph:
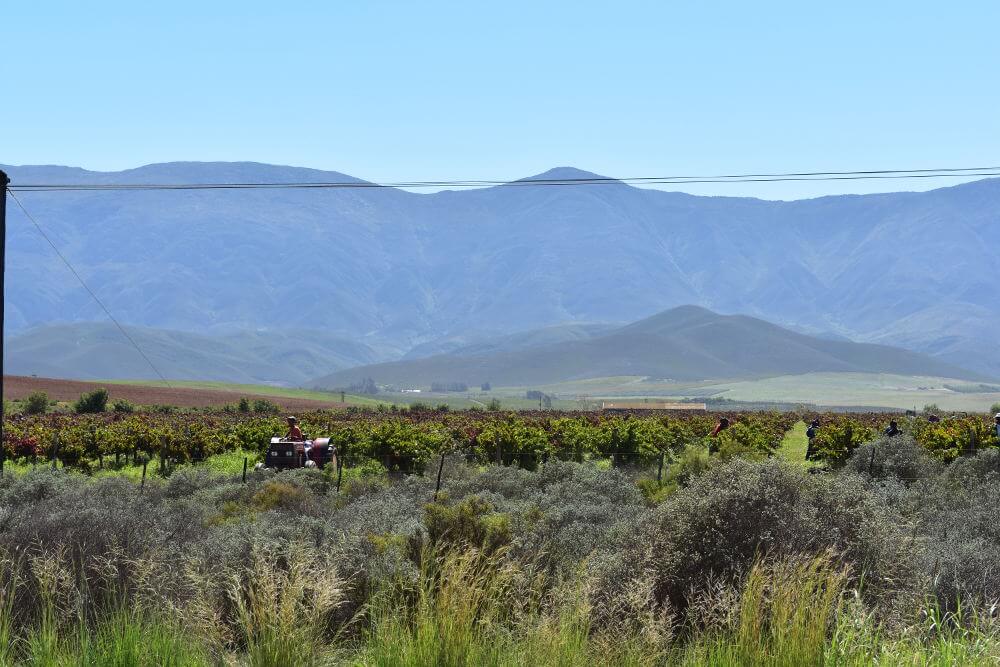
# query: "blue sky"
393,91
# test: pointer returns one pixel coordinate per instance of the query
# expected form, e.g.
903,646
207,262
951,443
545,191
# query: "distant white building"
651,405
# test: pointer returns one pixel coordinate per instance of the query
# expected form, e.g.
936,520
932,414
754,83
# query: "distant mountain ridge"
403,269
97,351
686,343
482,343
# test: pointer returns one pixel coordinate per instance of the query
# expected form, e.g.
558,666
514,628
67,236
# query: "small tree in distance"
264,406
92,402
365,387
36,403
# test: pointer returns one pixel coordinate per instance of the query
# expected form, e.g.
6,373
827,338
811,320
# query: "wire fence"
649,464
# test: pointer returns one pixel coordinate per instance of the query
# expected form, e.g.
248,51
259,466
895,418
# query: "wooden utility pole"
3,301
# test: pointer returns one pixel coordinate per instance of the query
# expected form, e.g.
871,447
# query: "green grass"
847,389
510,399
820,389
228,463
794,445
470,610
20,468
257,390
120,636
464,401
125,637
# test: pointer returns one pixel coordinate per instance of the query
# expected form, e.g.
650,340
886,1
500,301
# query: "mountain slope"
686,343
482,343
914,269
99,351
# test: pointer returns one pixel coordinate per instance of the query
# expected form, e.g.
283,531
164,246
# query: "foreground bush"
717,527
891,559
899,458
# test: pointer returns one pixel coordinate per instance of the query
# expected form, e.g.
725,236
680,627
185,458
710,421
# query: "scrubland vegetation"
889,557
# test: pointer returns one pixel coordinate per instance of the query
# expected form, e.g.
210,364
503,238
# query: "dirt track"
16,386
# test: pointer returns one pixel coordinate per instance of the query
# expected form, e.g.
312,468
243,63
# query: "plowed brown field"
17,386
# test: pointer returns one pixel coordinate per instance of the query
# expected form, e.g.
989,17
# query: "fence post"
162,448
244,469
437,487
93,443
142,484
341,462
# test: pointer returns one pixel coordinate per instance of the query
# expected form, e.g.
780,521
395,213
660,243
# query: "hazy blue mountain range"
479,343
92,351
397,269
686,343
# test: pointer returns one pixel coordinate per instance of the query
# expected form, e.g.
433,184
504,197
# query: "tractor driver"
294,432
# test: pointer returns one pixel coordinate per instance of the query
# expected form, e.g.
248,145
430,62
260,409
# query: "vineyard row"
408,441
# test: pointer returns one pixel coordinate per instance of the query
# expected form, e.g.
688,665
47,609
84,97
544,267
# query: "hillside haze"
686,343
95,351
402,269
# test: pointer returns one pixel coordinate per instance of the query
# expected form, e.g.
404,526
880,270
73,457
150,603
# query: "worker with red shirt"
713,443
294,432
720,427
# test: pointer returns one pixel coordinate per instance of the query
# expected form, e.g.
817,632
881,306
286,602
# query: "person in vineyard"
893,429
294,432
720,427
713,445
811,434
996,427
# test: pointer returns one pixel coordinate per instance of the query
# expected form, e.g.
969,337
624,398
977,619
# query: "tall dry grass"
800,612
62,621
275,609
465,608
470,608
782,617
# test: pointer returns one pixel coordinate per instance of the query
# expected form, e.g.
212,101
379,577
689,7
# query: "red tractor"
285,454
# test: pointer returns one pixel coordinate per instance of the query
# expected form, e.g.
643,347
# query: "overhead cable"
87,288
962,172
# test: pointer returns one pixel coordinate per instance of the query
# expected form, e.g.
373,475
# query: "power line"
86,287
961,172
